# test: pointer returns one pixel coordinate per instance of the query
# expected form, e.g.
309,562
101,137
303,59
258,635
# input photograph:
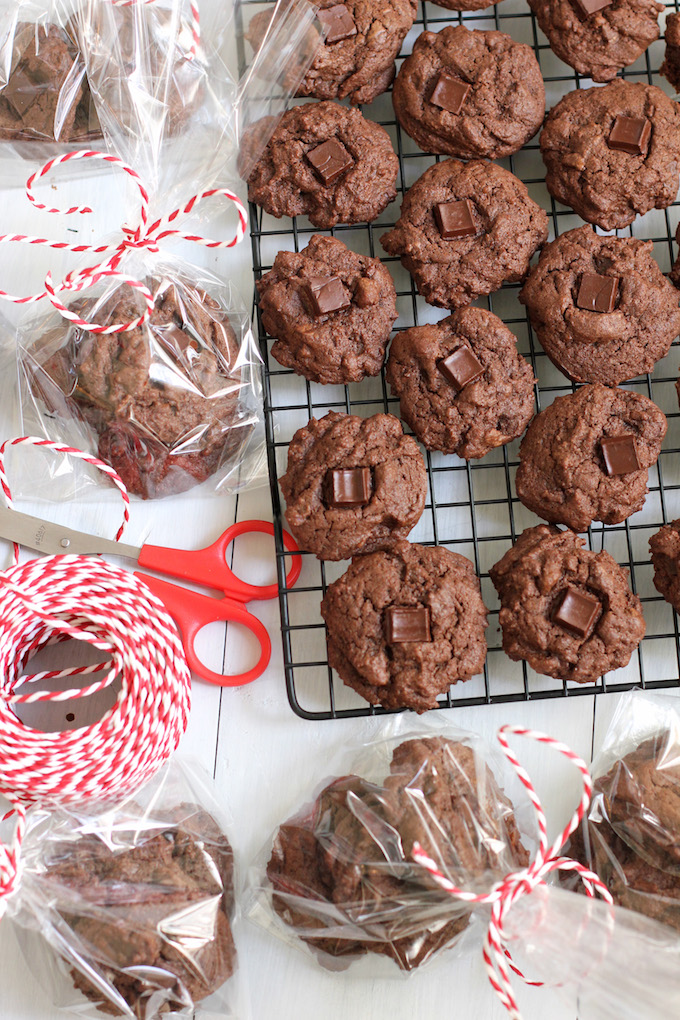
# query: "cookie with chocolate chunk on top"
330,309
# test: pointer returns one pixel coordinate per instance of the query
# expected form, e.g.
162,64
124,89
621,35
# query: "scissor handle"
209,566
192,611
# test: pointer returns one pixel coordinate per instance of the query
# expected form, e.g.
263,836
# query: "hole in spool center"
59,716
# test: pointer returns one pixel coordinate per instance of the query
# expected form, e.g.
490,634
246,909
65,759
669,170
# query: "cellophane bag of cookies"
44,92
174,400
623,959
129,910
631,834
172,94
170,404
339,879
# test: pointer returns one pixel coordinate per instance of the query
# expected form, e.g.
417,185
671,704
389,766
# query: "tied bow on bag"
415,852
620,964
145,235
159,374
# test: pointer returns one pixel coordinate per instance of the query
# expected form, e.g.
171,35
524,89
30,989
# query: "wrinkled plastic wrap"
610,963
339,876
176,401
44,93
339,879
631,836
617,964
128,911
171,404
166,86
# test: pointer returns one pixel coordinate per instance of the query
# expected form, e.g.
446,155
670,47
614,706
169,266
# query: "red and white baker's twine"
501,897
146,235
54,598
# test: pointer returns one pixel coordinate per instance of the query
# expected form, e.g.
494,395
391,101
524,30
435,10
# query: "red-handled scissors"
190,610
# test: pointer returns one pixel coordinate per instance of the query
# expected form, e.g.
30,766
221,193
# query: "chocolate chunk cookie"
353,485
613,153
328,856
665,549
331,310
465,229
363,37
566,610
602,308
463,387
165,399
585,458
323,161
46,96
133,912
598,39
346,861
670,68
470,94
405,624
630,836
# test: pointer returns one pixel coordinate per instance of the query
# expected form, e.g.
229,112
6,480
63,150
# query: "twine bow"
145,235
497,959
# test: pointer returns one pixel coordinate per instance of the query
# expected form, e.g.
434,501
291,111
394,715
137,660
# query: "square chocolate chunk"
330,161
20,92
620,455
598,293
460,368
630,134
349,487
337,22
584,8
327,294
407,624
449,93
578,612
454,219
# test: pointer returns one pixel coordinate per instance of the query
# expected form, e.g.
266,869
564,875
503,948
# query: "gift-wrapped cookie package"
340,876
129,911
631,835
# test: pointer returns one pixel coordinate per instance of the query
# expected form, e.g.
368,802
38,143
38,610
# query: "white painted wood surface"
265,760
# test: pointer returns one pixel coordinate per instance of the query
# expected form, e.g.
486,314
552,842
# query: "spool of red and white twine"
497,959
55,598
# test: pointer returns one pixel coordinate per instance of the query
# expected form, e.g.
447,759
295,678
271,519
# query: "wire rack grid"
472,507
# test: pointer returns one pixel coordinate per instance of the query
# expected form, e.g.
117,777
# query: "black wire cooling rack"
472,507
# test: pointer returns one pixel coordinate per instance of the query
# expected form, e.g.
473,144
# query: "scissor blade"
45,537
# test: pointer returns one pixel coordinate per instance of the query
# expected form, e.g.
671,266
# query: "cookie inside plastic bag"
44,92
169,404
129,912
341,875
631,834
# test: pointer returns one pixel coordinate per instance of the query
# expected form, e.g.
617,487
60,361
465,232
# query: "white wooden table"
266,760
